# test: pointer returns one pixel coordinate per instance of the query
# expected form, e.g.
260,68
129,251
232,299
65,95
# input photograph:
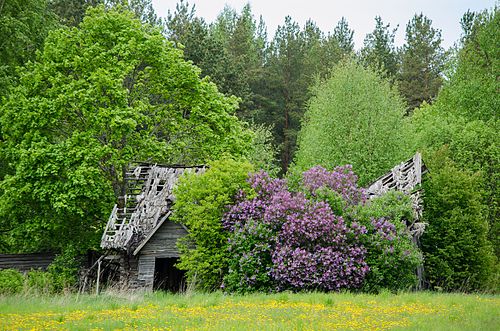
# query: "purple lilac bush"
317,250
289,240
324,235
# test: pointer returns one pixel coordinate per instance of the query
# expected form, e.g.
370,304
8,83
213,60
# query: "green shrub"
201,201
457,253
64,269
391,255
11,281
39,282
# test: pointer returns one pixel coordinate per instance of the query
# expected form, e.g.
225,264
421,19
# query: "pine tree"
287,87
422,62
344,36
379,50
244,41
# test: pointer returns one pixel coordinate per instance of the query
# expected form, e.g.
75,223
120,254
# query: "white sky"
445,14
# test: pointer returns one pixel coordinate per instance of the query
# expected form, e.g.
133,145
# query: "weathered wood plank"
26,262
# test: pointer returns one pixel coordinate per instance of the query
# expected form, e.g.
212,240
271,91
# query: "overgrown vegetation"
88,87
263,236
200,204
459,137
355,117
37,282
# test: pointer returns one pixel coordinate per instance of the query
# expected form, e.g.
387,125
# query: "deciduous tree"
98,97
355,117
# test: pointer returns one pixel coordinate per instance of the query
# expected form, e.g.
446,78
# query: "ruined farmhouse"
140,236
141,239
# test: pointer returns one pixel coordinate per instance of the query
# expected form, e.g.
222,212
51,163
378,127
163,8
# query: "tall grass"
283,311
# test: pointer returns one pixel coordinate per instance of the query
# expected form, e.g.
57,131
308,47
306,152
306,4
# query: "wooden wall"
162,244
26,262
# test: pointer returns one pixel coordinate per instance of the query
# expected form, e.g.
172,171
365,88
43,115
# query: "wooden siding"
129,272
147,271
25,262
164,242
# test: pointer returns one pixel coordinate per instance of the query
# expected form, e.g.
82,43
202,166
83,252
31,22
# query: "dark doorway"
167,276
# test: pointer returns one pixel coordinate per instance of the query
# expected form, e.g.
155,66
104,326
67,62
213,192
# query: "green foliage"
61,276
344,36
244,40
229,51
271,79
472,91
391,255
24,24
192,34
64,269
71,12
355,117
379,51
286,86
457,253
296,57
463,116
100,96
39,282
11,281
422,61
200,203
262,153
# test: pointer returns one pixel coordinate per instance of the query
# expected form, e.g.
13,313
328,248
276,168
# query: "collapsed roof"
145,207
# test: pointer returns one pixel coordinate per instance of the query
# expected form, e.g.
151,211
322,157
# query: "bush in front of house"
201,200
11,281
391,254
321,235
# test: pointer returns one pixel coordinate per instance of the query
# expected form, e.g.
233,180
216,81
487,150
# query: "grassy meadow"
284,311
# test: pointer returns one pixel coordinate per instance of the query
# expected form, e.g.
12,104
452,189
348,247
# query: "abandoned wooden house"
140,237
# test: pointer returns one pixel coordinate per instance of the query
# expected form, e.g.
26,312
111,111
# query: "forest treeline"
272,75
89,86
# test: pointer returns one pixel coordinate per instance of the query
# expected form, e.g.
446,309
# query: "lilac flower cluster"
282,239
317,250
341,180
385,229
